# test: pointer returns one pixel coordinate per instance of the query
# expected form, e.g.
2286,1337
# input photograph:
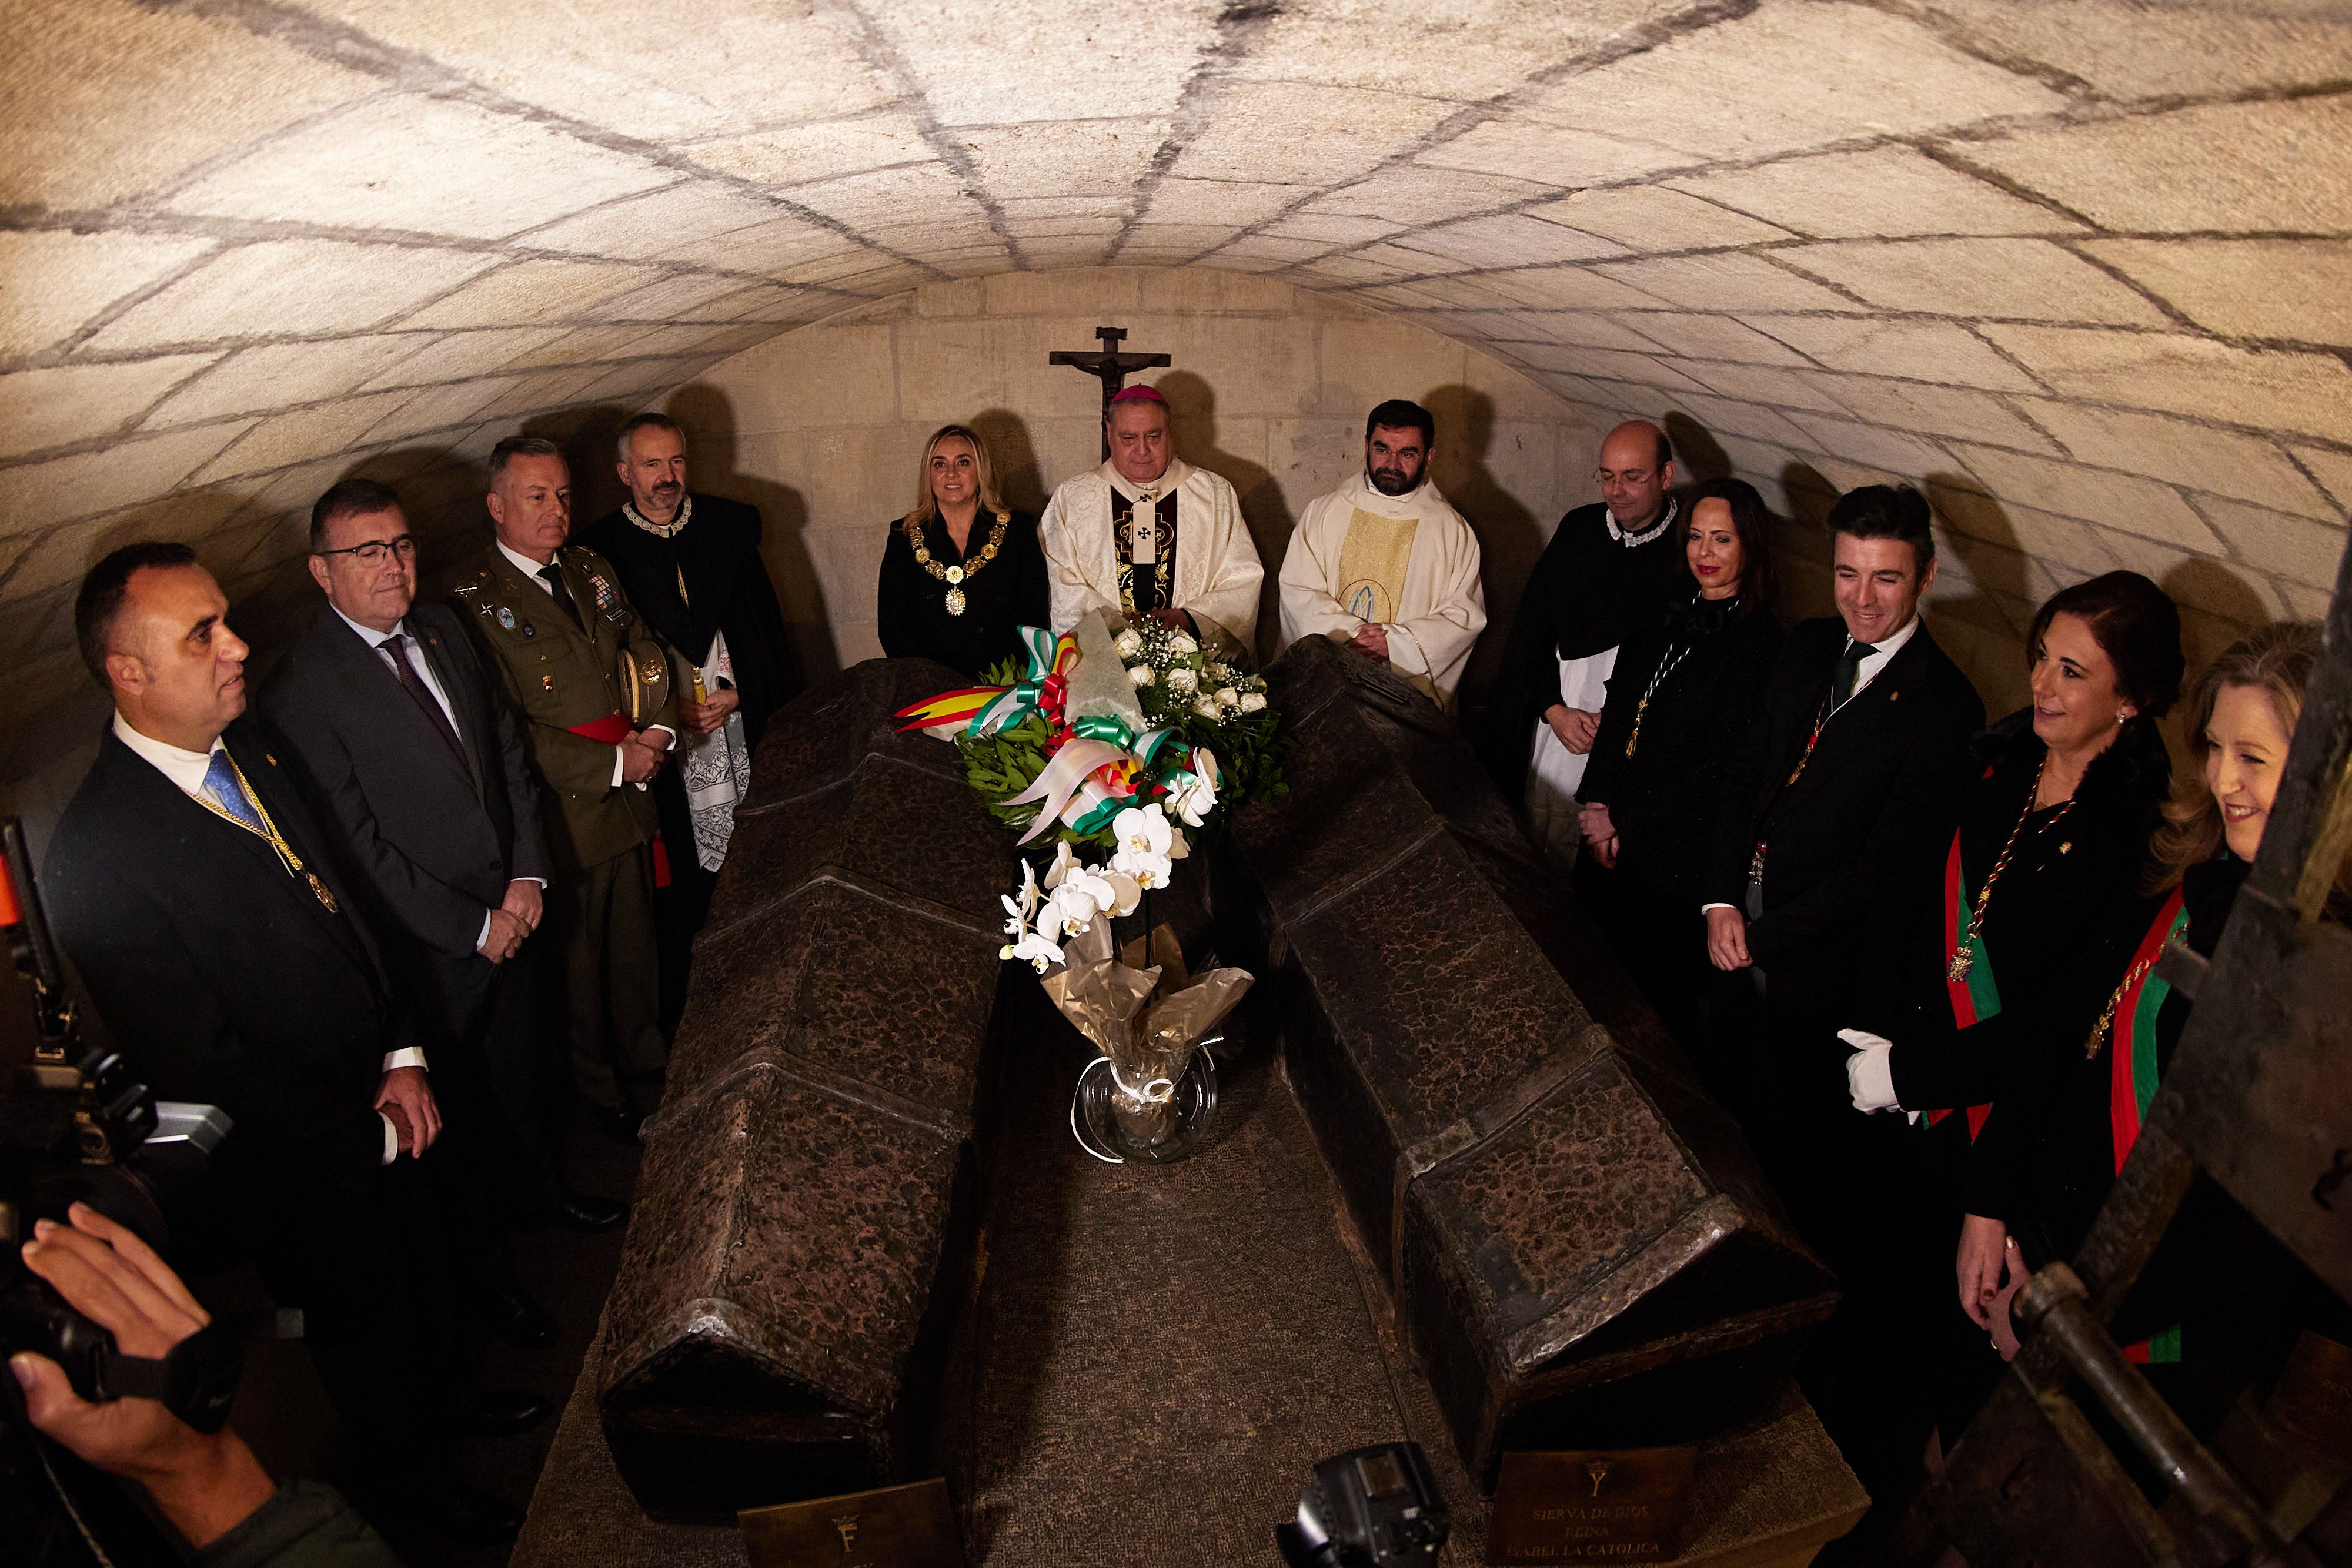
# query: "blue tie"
220,783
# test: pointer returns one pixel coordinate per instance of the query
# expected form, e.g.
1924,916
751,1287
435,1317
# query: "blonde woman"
962,572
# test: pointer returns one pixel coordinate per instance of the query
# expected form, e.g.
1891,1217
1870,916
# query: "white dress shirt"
1884,649
188,771
531,568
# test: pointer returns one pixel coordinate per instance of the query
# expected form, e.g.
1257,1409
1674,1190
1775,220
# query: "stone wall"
823,427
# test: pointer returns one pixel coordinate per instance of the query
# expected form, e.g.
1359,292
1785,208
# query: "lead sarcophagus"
802,1234
1576,1237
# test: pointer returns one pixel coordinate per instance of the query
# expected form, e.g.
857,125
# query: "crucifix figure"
1108,364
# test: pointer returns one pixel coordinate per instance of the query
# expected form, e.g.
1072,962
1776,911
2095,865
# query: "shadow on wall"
1012,458
1192,427
1510,536
713,466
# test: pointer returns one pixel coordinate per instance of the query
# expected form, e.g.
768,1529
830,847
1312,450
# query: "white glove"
1867,1071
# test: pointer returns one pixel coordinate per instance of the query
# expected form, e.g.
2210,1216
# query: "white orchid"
1126,892
1177,848
1066,860
1145,839
1070,910
1252,701
1197,796
1090,880
1128,643
1019,915
1181,644
1035,946
1141,674
1182,679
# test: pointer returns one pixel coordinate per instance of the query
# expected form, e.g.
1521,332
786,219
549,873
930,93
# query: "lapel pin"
547,683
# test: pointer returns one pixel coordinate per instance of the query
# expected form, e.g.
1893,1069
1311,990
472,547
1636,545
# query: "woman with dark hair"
2038,906
1649,791
962,572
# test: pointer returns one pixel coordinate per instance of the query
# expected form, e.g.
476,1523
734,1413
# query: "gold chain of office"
954,576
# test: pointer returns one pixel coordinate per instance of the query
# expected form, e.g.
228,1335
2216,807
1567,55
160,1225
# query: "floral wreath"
1097,736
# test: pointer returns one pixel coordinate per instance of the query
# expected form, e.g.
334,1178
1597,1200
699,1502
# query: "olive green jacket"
561,677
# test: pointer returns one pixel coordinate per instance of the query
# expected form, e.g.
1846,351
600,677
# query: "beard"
1391,481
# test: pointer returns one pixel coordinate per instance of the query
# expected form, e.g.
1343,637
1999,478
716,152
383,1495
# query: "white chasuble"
1217,572
1407,562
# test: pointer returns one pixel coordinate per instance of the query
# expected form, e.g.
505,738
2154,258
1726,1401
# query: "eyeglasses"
372,553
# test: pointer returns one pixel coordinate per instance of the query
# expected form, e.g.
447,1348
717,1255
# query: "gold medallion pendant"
325,897
955,600
1962,962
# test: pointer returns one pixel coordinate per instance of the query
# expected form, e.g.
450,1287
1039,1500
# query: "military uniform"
566,678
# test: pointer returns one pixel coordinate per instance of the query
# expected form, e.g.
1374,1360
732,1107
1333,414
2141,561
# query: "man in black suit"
202,907
388,711
690,563
1836,807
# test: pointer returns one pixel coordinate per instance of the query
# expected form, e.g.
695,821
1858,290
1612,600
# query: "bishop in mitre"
1147,535
1385,564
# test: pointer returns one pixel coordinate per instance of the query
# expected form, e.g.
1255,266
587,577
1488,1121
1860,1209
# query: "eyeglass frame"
399,544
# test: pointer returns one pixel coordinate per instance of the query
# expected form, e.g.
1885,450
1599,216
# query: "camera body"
1369,1508
76,1127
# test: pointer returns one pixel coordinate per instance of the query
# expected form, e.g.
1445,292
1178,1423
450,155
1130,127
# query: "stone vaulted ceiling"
2081,266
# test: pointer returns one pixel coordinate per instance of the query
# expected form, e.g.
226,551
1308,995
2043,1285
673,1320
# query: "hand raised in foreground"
205,1483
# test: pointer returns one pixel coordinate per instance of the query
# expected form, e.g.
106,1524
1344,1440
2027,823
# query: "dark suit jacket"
1852,843
437,842
222,976
728,591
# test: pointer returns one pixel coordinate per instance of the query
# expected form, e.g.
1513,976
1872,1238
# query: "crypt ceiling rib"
2083,267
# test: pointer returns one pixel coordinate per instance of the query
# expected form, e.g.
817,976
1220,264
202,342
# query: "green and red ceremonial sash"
1977,998
2132,1071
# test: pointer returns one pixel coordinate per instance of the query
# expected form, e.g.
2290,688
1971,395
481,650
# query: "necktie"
396,651
552,575
1849,670
220,783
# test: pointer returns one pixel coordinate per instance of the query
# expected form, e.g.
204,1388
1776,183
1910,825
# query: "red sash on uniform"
611,730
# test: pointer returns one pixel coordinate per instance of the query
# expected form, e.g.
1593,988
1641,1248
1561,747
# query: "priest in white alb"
1385,564
1147,535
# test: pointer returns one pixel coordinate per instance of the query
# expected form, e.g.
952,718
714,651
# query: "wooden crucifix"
1108,364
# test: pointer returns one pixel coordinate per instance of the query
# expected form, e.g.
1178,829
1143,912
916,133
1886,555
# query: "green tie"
1849,670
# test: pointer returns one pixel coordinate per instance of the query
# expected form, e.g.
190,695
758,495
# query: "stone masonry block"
74,403
275,288
652,227
1888,191
1710,337
462,355
1936,411
1654,218
2267,390
532,291
2296,548
2232,166
1086,293
2118,501
321,430
423,166
1299,133
2294,290
53,282
1417,194
1790,76
108,99
1033,65
1920,350
282,375
2197,456
1785,389
1433,51
1722,283
1054,164
2019,279
1886,451
795,155
122,475
2129,50
603,65
1510,240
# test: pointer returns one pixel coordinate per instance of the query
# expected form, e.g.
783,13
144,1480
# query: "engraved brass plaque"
1628,1505
892,1527
2312,1398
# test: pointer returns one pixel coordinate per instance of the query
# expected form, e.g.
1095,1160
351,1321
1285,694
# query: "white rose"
1207,709
1128,643
1182,643
1228,698
1252,701
1139,674
1180,679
